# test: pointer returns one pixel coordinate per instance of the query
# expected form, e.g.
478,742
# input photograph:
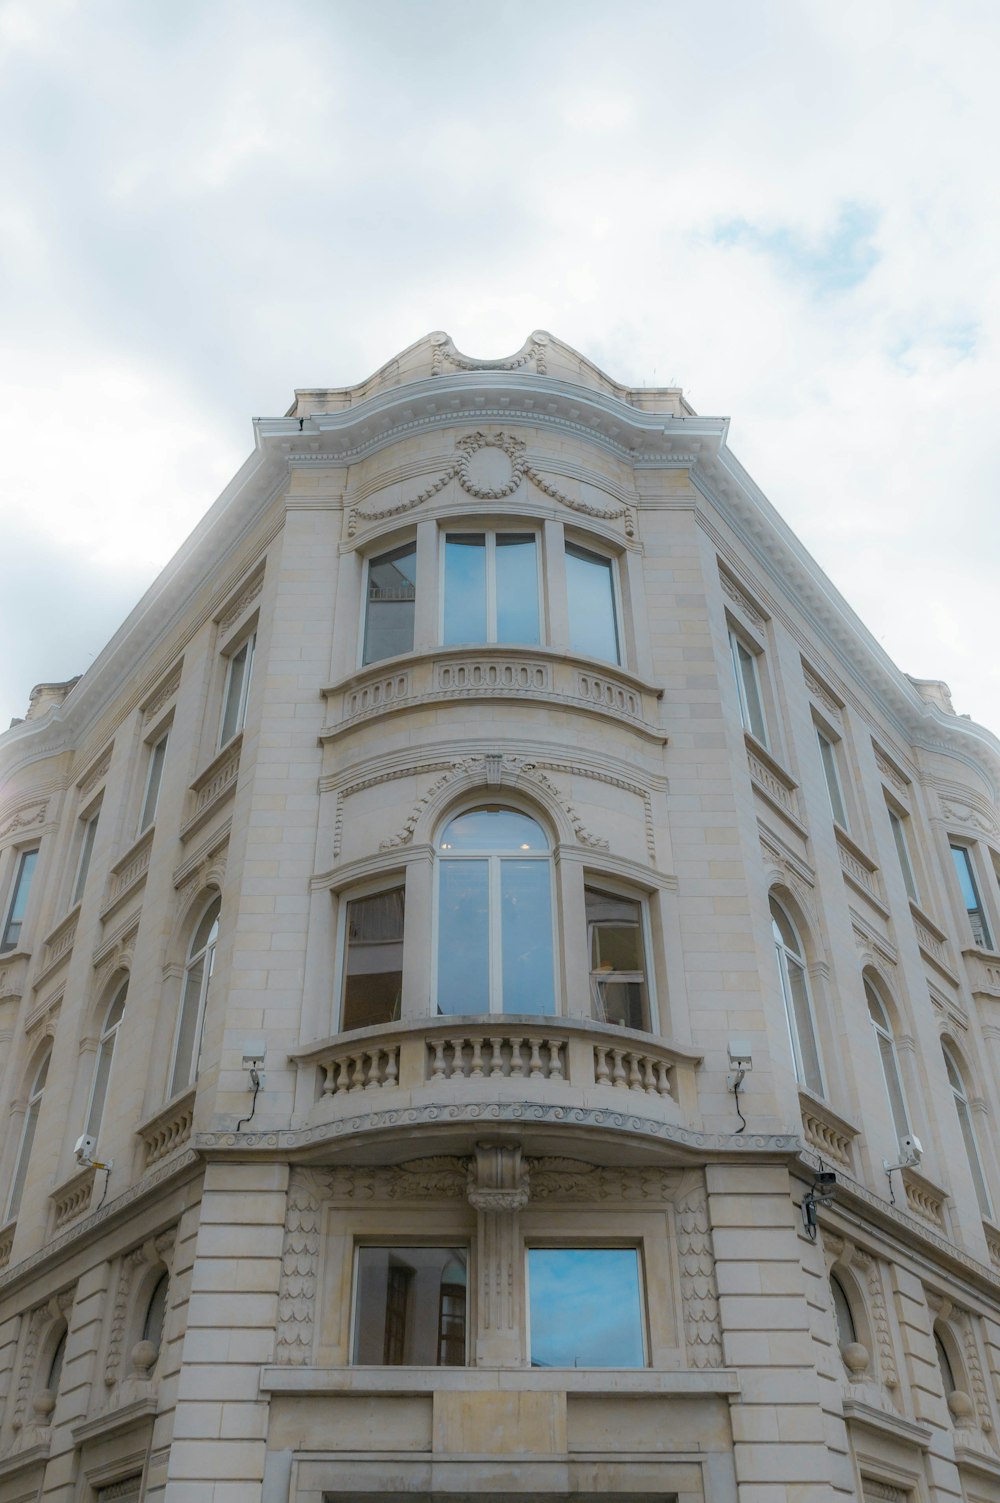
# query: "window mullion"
491,587
496,938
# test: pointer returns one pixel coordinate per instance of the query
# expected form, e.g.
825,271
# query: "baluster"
516,1062
618,1072
373,1082
357,1062
476,1066
555,1063
634,1077
663,1078
438,1067
648,1077
496,1061
535,1063
329,1072
341,1069
391,1067
602,1074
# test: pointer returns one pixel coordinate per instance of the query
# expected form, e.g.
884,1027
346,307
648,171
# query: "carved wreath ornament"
463,470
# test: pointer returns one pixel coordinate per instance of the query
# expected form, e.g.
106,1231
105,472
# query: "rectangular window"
748,688
153,776
86,851
491,587
410,1307
970,896
373,960
902,851
618,991
390,603
586,1307
234,706
18,901
590,598
828,756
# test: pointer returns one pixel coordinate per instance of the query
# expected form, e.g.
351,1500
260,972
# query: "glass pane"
972,1150
56,1365
19,900
590,597
153,784
410,1307
802,1025
184,1058
101,1074
237,688
517,587
465,587
116,1010
208,929
893,1084
585,1307
526,943
963,867
86,850
783,931
464,937
945,1366
493,830
391,604
373,968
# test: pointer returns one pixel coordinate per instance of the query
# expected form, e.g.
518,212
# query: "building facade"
499,990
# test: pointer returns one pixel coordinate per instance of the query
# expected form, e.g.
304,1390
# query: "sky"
787,207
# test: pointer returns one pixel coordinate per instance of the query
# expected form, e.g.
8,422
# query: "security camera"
740,1062
84,1149
910,1149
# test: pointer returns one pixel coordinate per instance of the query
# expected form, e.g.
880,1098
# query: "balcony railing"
569,1060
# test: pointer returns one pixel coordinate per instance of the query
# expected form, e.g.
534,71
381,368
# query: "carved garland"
736,595
444,351
25,818
869,1266
516,451
963,1320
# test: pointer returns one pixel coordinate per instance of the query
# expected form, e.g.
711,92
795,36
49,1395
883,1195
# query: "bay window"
615,938
494,915
585,1307
410,1306
491,588
962,857
390,603
373,959
590,599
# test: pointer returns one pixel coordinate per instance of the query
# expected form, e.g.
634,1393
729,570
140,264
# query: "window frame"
389,882
190,959
9,946
738,638
494,898
592,1244
613,561
462,1243
594,881
785,988
885,1031
370,558
983,939
108,1037
473,528
898,821
26,1140
85,853
832,775
970,1138
246,639
147,815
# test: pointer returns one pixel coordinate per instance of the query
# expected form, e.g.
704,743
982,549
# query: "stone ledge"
101,1426
885,1423
400,1381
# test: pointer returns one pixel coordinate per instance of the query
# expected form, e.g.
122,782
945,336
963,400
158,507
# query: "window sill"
607,1381
537,674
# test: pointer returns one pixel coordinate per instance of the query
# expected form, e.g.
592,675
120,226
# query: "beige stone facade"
495,781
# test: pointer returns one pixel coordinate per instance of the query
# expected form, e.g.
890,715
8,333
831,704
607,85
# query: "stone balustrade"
565,1060
533,673
168,1130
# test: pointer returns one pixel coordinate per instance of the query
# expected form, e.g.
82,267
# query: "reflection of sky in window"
586,1309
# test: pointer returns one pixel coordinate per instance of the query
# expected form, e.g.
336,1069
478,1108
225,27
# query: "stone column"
498,1190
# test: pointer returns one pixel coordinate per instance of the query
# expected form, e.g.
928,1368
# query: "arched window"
846,1329
960,1094
156,1310
944,1363
105,1056
795,993
194,999
27,1138
56,1364
890,1065
494,914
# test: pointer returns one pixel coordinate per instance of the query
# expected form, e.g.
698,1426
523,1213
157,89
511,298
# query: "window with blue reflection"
495,950
585,1307
390,604
491,587
590,598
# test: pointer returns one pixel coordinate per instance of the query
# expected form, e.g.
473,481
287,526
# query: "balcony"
482,1070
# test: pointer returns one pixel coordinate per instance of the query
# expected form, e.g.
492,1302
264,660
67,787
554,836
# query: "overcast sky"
787,207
